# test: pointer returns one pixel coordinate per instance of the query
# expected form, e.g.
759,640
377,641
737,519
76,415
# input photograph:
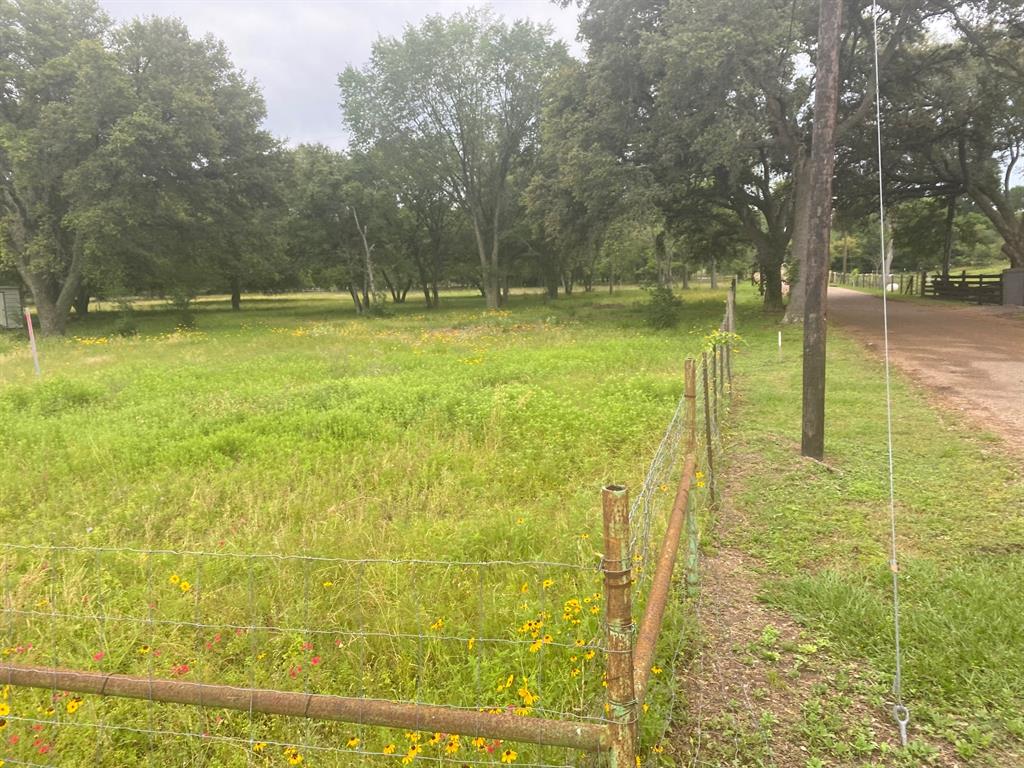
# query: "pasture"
343,448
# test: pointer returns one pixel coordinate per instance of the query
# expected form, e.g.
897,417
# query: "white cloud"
296,48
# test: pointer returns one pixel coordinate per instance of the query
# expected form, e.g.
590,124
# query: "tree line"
133,158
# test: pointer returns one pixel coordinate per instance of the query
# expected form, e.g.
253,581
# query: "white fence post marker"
32,341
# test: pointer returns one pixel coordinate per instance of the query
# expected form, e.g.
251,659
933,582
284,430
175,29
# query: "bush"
125,325
661,310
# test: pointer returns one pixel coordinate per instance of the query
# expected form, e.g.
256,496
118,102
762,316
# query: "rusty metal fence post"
708,436
621,706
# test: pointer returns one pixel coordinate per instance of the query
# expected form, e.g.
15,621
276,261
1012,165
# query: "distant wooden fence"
976,289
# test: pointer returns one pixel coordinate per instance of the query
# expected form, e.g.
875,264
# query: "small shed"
10,307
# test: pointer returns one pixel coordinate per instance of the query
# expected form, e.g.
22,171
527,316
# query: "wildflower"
143,650
73,704
98,656
575,672
352,742
389,749
656,670
638,761
452,746
293,755
5,710
507,683
437,625
520,521
435,739
663,487
529,699
579,643
584,536
547,583
470,643
535,645
411,754
525,588
509,756
174,579
647,707
589,654
328,584
657,749
315,661
548,639
595,610
522,711
479,743
259,747
413,737
186,587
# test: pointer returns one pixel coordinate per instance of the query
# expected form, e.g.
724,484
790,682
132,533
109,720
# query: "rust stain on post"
560,733
622,707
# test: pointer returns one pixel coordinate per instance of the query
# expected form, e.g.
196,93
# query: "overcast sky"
296,48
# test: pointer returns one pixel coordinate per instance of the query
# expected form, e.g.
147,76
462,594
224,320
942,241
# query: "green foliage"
661,310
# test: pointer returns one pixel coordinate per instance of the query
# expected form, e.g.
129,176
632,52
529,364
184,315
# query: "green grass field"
295,428
821,536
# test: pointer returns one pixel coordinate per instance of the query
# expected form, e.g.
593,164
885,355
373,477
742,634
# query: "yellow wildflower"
547,583
72,705
535,645
389,749
259,747
184,586
174,578
479,743
453,745
435,739
437,625
5,710
353,742
509,756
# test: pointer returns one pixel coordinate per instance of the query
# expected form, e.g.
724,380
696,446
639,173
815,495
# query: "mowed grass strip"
295,428
822,536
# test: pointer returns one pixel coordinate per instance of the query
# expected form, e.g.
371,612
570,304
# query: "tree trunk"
355,298
947,251
801,219
771,284
714,274
236,295
686,277
81,302
488,276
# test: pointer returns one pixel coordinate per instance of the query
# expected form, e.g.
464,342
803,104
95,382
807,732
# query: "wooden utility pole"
823,155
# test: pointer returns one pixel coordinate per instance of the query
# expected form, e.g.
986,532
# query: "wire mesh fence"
305,659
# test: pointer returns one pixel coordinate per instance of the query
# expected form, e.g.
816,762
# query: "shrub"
661,310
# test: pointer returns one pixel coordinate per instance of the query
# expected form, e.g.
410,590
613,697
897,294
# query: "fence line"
633,578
